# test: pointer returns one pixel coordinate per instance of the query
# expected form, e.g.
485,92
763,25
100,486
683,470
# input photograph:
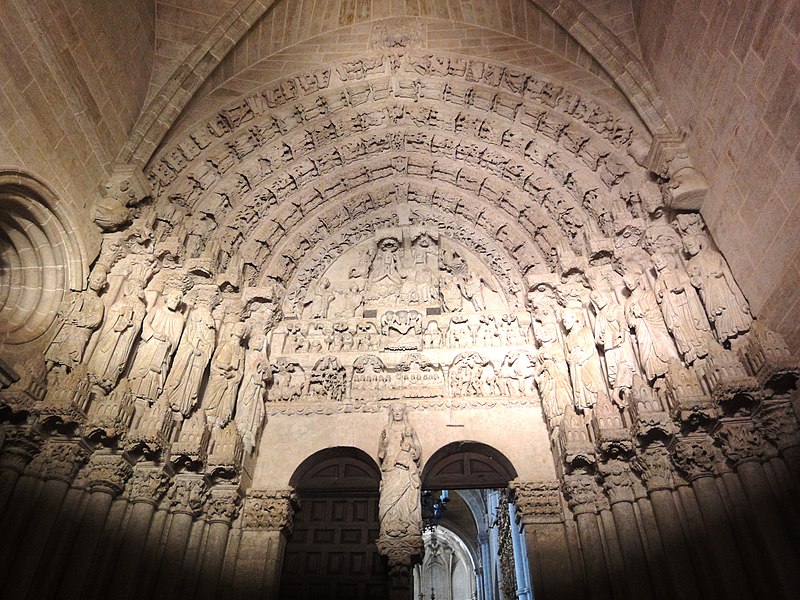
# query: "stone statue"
191,359
725,305
122,324
386,272
250,411
223,381
161,332
552,375
681,308
318,300
399,508
643,316
612,335
586,373
81,314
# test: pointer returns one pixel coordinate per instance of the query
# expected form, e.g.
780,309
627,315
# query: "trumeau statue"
182,388
161,332
81,314
121,326
586,372
681,308
250,411
399,509
219,399
725,305
643,316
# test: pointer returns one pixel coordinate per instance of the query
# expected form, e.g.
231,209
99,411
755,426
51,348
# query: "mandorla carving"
270,510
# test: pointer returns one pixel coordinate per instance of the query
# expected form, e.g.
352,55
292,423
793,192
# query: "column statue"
586,373
552,375
219,399
612,335
250,411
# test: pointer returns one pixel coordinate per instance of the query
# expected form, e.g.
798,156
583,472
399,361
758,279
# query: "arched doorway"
331,553
478,538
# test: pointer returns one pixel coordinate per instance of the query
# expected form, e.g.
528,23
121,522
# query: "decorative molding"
270,510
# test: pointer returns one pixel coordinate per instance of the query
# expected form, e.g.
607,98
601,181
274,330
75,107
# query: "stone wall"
729,71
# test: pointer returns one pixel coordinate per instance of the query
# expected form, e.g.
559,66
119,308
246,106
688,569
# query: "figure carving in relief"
468,375
399,508
219,399
81,313
363,264
643,316
552,375
386,271
327,381
182,388
295,340
725,305
586,373
510,331
250,411
115,340
351,302
459,333
612,335
488,332
317,300
517,374
432,336
401,321
450,293
366,337
681,308
342,338
161,332
421,284
288,381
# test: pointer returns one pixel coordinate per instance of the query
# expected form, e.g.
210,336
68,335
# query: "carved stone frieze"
270,510
538,501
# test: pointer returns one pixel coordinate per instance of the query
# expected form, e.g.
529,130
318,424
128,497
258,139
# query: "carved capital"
148,484
582,492
669,158
125,189
402,551
107,473
270,510
60,460
655,468
538,501
696,456
19,446
742,441
619,481
187,495
222,503
778,422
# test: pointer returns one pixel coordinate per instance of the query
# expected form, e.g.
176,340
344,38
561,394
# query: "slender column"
618,482
98,586
697,458
745,446
57,465
613,550
186,498
777,420
581,491
221,508
19,447
145,489
657,472
697,539
266,522
105,476
153,551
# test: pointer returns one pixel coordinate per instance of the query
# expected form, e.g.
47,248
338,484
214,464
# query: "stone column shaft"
15,520
169,575
636,568
593,556
127,568
616,565
213,558
8,480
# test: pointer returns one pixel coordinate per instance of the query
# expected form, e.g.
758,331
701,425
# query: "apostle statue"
250,411
219,399
653,342
681,308
191,359
161,332
612,335
399,451
81,314
725,305
552,375
586,373
121,326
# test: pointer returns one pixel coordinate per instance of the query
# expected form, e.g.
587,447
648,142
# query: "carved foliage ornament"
270,510
107,473
538,501
60,460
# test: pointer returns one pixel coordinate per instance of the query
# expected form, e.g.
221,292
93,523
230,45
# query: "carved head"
570,318
98,278
172,299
